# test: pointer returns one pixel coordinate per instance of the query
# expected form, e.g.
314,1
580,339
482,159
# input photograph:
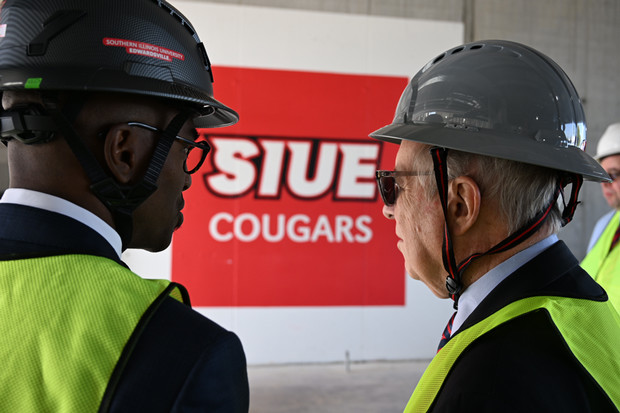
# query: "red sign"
286,211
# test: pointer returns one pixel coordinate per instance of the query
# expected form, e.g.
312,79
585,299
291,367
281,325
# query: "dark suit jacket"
524,364
176,361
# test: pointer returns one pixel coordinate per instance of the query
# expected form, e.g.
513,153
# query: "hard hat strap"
64,118
454,282
576,182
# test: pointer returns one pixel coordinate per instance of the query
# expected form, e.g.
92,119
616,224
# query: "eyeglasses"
613,175
193,159
388,188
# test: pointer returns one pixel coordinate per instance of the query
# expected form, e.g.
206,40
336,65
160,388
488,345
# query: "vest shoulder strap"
590,328
596,257
65,322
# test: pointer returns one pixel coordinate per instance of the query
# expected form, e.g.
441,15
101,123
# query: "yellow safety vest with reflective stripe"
604,265
64,322
591,329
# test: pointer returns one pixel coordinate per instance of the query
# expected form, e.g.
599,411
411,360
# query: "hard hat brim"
486,143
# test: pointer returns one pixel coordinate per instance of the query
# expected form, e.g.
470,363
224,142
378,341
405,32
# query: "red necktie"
447,332
614,241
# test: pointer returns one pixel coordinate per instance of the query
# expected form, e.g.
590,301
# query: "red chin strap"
454,283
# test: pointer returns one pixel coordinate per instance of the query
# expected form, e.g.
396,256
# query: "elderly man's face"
611,191
419,220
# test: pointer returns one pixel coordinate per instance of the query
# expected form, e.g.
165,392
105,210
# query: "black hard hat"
143,47
140,47
496,98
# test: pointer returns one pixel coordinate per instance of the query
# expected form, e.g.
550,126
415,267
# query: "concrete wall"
581,36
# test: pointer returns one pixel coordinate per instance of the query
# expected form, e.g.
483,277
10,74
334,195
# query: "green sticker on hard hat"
33,83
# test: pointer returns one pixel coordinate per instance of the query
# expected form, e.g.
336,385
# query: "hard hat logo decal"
144,49
33,83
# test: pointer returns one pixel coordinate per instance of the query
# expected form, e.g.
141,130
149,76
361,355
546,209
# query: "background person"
100,104
602,261
490,133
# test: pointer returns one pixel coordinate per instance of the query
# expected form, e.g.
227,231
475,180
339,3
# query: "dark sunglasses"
193,159
388,188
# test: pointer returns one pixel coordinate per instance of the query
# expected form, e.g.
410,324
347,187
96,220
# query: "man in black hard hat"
100,104
490,134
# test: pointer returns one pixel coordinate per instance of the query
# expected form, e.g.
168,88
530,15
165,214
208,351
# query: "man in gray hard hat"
490,134
603,259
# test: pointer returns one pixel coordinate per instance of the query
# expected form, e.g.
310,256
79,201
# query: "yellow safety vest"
604,265
591,329
64,322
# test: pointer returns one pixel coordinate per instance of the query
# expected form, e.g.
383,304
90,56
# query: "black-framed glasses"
388,188
613,175
193,159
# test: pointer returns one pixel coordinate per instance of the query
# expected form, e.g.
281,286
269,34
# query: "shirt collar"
475,293
58,205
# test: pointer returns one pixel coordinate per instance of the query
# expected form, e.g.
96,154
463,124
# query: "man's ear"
463,204
126,153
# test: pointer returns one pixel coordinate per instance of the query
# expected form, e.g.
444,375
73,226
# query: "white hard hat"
609,143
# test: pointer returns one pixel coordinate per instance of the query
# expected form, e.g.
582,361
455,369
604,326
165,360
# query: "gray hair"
522,190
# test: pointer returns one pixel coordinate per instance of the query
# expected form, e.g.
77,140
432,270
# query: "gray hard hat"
500,99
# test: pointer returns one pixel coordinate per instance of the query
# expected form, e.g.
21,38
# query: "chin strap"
120,200
576,182
455,272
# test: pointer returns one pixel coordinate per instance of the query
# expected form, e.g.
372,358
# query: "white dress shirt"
475,293
52,203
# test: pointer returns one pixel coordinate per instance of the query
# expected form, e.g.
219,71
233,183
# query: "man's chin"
413,276
179,222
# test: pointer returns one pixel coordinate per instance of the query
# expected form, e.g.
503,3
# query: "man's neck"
484,264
